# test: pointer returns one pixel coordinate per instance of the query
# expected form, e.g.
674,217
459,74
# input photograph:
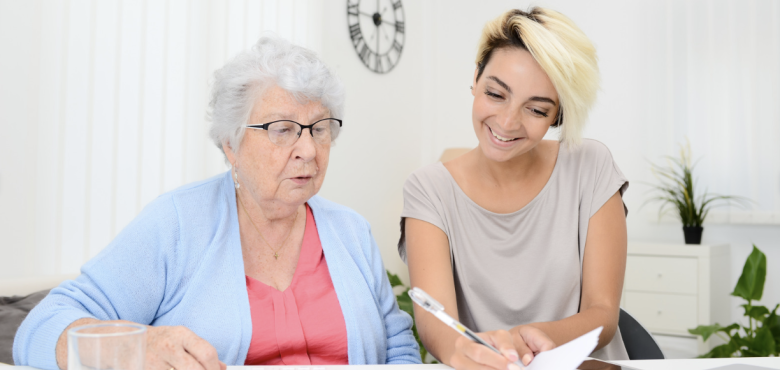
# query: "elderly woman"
249,267
521,238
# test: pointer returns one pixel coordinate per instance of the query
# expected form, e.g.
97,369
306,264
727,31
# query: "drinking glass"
107,346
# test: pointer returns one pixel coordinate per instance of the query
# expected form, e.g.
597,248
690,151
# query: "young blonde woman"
522,239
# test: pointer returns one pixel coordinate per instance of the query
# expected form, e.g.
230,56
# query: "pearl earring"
235,178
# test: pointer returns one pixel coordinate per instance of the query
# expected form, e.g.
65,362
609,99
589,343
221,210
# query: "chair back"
640,345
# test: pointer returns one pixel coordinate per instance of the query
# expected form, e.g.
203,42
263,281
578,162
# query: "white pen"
437,309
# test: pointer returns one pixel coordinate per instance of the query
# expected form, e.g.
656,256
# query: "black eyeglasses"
286,132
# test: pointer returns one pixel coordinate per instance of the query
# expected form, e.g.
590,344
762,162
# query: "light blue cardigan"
180,263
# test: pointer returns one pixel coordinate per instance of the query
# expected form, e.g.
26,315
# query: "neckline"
301,265
522,209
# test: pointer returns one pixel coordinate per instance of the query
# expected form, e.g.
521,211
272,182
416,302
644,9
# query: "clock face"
376,28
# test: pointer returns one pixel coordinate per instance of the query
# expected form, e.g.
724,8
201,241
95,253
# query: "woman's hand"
176,347
520,343
167,347
529,341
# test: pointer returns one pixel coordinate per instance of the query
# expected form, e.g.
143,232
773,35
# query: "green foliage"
678,190
761,338
405,304
751,283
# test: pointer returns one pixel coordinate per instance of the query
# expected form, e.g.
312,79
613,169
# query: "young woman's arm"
604,266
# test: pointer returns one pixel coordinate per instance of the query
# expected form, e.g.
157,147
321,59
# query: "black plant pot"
692,234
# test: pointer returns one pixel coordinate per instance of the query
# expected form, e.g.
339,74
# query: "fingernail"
512,366
527,359
511,355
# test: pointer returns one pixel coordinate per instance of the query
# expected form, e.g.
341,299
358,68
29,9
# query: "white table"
701,363
688,364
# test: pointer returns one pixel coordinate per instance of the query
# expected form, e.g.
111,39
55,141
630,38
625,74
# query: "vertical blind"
122,101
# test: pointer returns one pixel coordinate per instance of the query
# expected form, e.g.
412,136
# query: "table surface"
688,364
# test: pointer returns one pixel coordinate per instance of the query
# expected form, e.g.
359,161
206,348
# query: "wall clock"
376,28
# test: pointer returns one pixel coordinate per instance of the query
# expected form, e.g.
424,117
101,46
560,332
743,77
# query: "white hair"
272,61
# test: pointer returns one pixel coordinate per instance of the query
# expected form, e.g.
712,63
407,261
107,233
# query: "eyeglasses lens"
286,133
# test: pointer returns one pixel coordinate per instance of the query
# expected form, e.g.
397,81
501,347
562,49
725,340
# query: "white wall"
64,193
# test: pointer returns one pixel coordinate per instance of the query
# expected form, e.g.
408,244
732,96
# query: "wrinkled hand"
179,348
522,342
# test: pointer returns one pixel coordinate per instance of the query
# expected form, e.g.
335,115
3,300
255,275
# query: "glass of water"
107,346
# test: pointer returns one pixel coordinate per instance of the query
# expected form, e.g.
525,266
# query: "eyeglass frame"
265,126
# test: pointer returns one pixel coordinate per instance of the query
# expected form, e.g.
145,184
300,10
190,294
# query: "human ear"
229,153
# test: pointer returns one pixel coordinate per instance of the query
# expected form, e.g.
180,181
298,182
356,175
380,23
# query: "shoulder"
432,176
192,203
588,153
590,147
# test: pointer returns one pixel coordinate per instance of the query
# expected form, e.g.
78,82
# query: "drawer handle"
660,312
660,275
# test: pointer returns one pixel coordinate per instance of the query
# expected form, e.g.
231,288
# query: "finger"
536,339
526,354
222,366
485,356
181,360
462,362
201,350
540,343
502,340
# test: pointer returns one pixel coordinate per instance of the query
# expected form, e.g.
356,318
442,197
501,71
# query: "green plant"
405,304
678,190
761,337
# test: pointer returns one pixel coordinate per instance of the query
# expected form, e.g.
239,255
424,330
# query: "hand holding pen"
525,339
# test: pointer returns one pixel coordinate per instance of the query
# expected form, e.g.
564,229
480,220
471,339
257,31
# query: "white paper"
567,356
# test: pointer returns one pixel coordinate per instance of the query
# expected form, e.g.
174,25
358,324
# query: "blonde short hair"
561,49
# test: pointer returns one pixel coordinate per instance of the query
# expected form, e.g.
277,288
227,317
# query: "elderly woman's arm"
126,281
401,346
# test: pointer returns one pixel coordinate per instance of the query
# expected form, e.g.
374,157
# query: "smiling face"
281,177
515,103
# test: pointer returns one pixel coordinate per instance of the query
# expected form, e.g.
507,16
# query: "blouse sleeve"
125,281
401,345
607,179
420,202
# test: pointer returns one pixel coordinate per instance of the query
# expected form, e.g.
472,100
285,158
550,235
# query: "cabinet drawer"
661,274
667,313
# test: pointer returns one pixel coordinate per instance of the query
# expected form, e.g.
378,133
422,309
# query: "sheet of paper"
567,356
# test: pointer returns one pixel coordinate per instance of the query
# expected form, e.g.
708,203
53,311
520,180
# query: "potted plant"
761,337
677,191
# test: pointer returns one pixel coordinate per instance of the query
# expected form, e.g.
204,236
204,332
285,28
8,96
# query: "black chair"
640,345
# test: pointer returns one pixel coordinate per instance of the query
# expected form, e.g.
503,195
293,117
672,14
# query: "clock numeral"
398,47
378,67
400,26
352,9
389,62
365,54
355,34
396,4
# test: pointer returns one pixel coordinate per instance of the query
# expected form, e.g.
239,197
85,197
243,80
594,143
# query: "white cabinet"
670,288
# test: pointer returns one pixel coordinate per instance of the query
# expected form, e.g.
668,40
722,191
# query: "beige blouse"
525,266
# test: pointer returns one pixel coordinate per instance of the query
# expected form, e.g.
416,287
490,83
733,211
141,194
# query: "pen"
433,306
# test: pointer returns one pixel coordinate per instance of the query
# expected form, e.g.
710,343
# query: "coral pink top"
303,325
